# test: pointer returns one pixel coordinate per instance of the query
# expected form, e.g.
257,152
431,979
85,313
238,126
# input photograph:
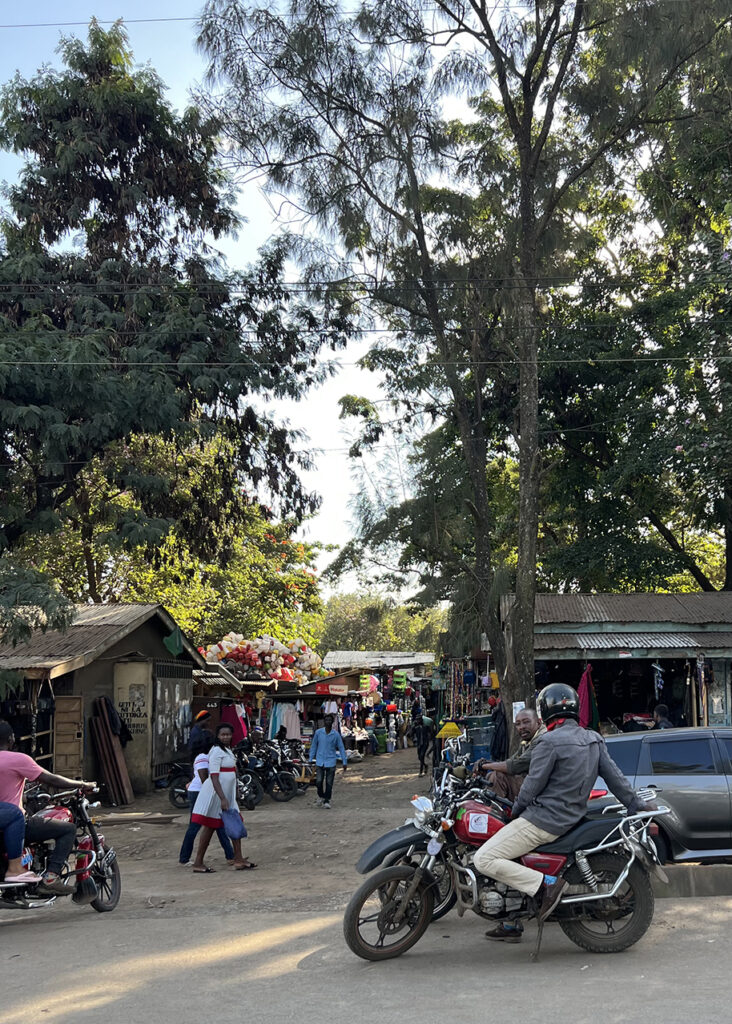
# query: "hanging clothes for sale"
589,716
499,743
291,721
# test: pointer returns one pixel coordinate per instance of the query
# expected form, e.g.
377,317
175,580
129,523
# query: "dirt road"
305,854
267,945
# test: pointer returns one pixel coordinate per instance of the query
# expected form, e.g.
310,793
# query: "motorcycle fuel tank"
55,814
475,823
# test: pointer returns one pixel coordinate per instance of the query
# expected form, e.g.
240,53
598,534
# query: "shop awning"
565,646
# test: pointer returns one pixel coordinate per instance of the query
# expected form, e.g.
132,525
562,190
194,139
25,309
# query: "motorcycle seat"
588,832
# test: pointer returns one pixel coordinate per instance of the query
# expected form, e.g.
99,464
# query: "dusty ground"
305,854
267,945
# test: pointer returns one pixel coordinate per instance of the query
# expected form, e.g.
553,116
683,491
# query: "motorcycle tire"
282,787
109,886
384,888
177,792
444,893
256,788
633,905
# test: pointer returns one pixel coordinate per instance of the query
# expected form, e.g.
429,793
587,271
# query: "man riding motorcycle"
564,765
15,769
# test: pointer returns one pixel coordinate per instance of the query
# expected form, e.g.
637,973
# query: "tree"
117,319
370,622
250,575
342,112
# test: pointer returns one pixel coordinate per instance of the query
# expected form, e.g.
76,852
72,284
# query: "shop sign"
332,689
625,654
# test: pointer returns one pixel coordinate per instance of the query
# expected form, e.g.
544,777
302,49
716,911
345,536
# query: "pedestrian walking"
326,747
218,793
200,774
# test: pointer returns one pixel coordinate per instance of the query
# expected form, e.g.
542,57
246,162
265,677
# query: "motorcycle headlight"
422,809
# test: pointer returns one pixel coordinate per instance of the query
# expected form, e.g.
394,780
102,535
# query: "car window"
682,757
726,742
625,756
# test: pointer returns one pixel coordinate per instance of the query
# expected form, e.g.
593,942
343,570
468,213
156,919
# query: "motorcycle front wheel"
282,787
444,893
109,885
614,924
370,925
254,787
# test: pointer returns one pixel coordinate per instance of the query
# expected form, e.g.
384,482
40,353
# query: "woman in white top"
218,793
200,774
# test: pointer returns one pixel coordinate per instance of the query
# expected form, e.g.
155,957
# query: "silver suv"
691,771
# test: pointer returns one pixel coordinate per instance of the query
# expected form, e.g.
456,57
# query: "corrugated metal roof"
686,609
339,660
711,641
94,630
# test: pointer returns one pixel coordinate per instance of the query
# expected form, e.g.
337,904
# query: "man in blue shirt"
326,745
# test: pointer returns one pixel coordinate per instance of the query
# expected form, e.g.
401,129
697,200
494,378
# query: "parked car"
691,771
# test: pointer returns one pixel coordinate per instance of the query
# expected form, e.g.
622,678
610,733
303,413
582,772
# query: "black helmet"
558,701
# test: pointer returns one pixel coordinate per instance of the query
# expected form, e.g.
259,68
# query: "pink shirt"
15,768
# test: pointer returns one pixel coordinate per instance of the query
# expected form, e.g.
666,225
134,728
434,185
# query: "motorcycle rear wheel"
177,792
369,919
632,907
109,886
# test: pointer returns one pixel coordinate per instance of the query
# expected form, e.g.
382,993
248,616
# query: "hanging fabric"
589,716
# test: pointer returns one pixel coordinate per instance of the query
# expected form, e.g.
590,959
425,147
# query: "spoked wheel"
614,924
109,884
378,924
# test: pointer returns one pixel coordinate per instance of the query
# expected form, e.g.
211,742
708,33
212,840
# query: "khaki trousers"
496,858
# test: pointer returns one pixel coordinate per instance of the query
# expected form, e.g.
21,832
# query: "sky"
170,48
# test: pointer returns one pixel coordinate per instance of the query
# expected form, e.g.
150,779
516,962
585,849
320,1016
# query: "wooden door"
68,737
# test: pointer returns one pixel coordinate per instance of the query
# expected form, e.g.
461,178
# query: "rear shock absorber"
588,875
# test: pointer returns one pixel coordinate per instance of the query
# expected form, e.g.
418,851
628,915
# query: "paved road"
72,966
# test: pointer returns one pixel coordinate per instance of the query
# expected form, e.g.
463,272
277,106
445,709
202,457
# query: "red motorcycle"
95,876
607,859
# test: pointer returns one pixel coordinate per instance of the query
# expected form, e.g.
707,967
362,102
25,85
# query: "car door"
687,773
724,742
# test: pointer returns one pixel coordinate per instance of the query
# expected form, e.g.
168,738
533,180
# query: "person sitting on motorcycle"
564,765
12,827
15,769
507,777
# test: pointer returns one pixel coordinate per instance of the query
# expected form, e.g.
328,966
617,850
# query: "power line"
597,360
194,18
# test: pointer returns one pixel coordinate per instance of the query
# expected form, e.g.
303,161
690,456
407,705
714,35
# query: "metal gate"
173,692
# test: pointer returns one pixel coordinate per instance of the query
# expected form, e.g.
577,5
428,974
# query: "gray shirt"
564,765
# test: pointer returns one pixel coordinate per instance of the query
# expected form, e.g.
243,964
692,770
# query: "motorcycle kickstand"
535,952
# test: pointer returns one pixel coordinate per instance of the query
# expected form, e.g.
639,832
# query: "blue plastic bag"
233,825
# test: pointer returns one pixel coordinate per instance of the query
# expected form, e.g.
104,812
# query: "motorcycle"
607,859
95,876
179,775
262,772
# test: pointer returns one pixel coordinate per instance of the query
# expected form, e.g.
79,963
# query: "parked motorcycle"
263,773
179,775
607,859
95,879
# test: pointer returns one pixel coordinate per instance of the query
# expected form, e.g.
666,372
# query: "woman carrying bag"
218,794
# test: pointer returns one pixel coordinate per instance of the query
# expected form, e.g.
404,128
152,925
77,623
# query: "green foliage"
370,622
120,331
246,574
